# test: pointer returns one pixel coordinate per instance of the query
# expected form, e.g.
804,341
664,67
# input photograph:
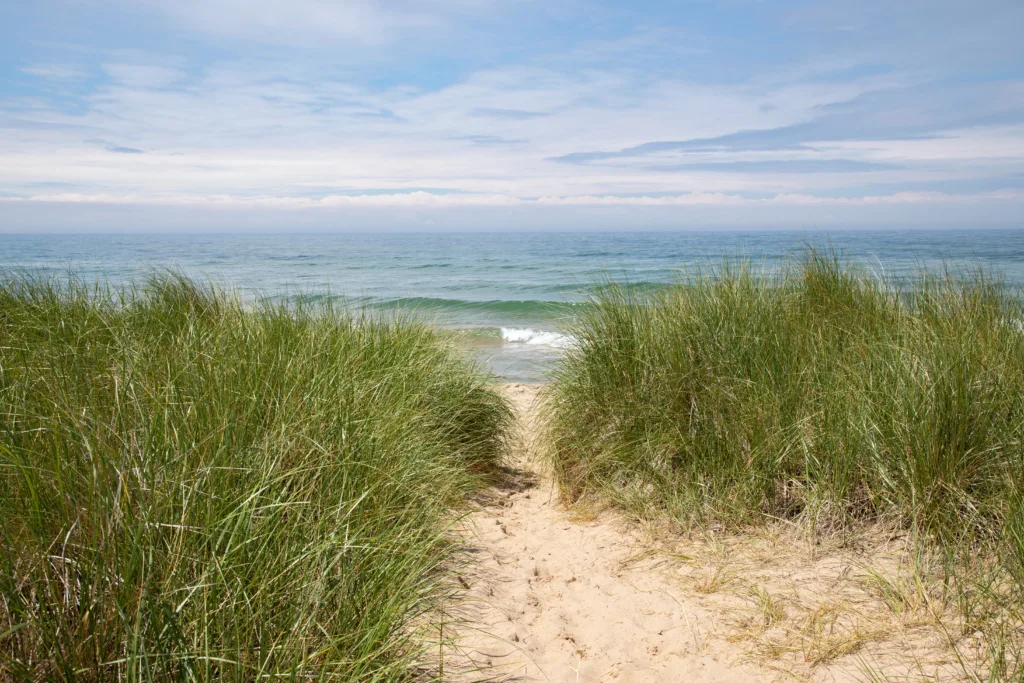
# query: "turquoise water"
511,293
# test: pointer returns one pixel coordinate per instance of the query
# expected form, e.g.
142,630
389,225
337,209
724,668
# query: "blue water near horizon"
513,292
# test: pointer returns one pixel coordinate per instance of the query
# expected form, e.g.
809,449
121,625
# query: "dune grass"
820,394
193,489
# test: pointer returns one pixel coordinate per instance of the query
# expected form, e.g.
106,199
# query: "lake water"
510,293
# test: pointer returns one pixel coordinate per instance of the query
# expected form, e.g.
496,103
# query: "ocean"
509,294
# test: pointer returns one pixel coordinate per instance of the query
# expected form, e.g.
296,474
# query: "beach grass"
821,394
193,488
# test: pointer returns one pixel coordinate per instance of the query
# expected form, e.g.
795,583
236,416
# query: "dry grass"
849,610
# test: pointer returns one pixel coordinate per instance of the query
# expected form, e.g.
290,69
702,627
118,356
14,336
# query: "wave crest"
525,335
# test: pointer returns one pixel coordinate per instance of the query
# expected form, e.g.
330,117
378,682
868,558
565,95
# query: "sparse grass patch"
195,489
826,637
769,608
908,598
713,578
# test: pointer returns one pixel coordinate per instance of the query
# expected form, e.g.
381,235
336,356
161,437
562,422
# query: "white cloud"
300,22
257,127
143,75
55,72
429,200
297,134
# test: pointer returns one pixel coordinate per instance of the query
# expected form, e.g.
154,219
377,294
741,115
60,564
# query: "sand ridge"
554,599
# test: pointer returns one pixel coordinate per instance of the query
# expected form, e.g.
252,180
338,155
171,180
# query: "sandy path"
553,599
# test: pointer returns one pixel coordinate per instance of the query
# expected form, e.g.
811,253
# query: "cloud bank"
401,114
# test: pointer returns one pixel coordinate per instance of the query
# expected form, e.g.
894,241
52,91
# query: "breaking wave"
525,335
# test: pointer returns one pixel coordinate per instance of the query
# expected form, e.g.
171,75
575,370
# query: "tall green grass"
820,393
191,489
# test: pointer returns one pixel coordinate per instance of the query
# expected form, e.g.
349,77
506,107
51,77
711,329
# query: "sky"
510,114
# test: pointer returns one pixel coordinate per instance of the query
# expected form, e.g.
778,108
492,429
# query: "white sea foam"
517,335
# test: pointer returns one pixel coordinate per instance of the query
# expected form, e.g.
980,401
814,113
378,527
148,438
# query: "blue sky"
489,114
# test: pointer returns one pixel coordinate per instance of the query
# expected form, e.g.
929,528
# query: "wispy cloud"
270,103
117,149
782,166
318,22
424,199
55,72
143,75
489,140
512,114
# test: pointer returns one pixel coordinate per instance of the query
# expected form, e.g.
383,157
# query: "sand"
553,596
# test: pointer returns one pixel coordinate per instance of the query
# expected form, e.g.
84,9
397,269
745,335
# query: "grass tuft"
193,489
821,394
